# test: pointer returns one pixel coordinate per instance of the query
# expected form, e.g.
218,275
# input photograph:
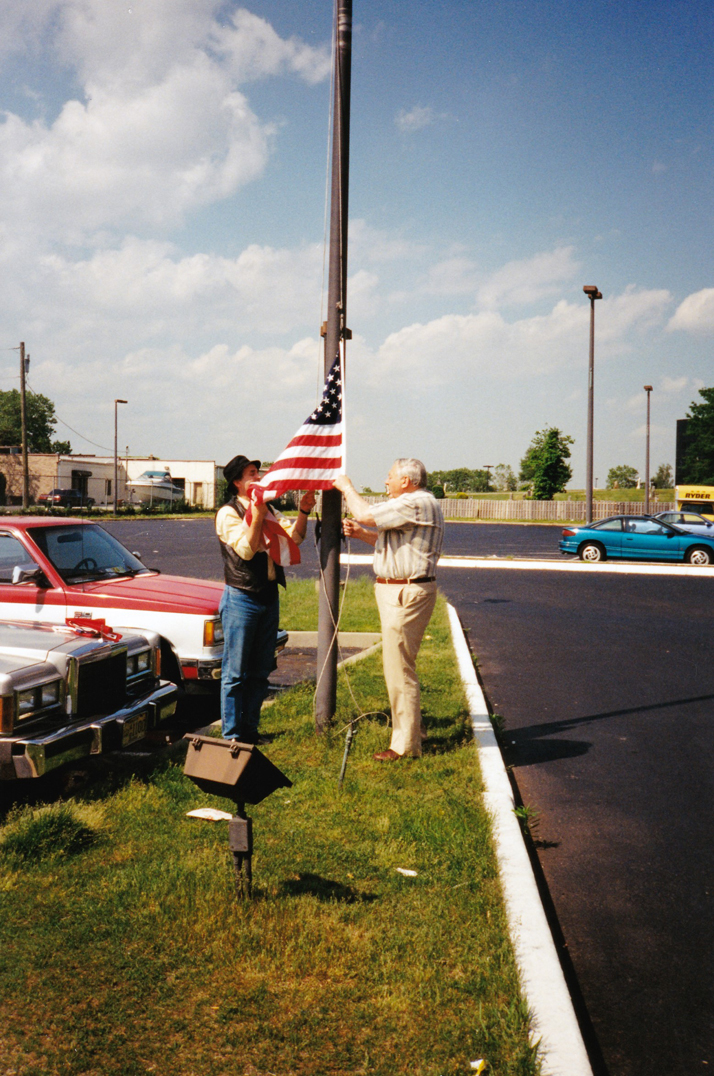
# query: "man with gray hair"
407,531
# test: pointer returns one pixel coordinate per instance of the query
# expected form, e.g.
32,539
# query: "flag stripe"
329,440
303,462
307,452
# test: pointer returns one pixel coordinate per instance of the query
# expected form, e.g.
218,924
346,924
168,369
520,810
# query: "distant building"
94,476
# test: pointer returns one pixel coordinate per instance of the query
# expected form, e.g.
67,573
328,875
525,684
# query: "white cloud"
529,280
139,41
364,300
452,276
160,128
417,118
443,350
695,314
185,389
670,386
371,244
255,50
142,159
145,288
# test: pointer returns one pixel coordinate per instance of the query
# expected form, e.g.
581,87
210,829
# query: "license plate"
134,729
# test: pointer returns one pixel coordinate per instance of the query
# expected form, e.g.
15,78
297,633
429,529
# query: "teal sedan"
636,538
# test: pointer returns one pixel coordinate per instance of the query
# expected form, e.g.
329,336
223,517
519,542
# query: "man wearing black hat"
250,607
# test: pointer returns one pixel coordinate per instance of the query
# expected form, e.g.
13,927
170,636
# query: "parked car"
636,538
65,498
67,693
689,521
53,568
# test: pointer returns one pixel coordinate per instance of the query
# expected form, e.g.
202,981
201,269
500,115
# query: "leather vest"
250,575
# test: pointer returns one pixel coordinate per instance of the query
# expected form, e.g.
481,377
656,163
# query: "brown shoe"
386,756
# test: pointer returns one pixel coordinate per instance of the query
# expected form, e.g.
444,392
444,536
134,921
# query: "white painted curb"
620,568
562,1051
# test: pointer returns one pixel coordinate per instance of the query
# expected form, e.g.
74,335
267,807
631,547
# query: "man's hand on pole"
358,506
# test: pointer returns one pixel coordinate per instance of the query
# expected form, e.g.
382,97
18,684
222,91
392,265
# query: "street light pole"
116,461
592,293
648,390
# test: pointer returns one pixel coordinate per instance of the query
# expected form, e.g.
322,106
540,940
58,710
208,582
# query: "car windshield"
85,552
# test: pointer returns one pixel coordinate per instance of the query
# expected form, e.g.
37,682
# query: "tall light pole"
592,293
648,390
116,461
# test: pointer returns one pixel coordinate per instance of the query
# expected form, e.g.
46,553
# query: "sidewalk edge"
554,1024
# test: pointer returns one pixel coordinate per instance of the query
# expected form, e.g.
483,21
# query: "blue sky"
162,205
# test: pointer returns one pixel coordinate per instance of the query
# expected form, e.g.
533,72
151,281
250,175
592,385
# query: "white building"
94,475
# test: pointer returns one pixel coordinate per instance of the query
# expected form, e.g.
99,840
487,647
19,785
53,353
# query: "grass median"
123,949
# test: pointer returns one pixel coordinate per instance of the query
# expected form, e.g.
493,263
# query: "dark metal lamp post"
648,390
592,293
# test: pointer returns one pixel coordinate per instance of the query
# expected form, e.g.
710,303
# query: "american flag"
313,458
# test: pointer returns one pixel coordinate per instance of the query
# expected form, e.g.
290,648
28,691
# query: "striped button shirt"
411,533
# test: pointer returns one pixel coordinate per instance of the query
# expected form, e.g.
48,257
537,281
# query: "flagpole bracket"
345,333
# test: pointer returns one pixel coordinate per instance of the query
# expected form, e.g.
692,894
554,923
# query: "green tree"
543,467
662,478
458,480
504,478
698,463
623,477
41,422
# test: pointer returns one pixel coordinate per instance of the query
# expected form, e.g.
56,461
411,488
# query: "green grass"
299,605
123,949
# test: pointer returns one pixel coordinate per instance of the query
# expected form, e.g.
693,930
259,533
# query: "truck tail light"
7,715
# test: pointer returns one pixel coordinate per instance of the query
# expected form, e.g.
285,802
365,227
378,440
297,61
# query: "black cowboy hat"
235,467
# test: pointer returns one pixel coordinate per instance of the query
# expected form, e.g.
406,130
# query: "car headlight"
212,632
50,694
143,661
26,702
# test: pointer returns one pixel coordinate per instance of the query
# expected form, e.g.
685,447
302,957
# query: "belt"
418,579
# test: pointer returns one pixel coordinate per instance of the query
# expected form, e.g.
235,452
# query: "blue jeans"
249,632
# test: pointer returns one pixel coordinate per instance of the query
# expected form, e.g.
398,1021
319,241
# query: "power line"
87,439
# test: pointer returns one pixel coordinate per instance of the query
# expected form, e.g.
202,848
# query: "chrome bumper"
34,756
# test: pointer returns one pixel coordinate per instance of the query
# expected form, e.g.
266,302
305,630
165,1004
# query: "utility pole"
23,421
335,332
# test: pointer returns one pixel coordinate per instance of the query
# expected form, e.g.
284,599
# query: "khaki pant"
405,611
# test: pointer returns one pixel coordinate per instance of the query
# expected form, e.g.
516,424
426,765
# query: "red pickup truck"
53,568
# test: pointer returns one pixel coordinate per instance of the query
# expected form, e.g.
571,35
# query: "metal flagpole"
335,332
